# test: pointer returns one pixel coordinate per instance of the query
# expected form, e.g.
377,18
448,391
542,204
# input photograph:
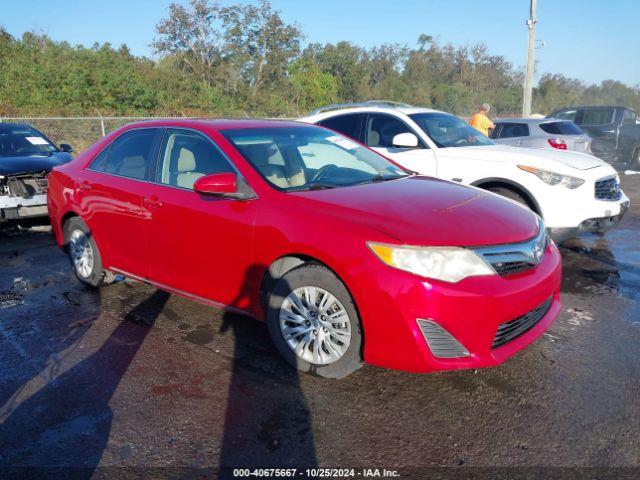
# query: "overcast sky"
592,40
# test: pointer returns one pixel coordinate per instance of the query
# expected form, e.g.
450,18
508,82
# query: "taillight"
557,143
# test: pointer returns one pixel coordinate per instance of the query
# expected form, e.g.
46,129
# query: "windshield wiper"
319,186
380,178
373,179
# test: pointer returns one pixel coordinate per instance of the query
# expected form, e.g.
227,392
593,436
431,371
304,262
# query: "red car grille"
514,328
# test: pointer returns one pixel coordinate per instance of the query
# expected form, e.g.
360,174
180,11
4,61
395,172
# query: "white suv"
573,192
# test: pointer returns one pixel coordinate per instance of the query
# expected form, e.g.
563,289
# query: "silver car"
541,133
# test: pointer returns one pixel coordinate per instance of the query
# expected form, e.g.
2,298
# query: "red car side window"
185,156
128,155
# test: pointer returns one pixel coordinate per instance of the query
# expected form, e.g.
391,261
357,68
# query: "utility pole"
528,77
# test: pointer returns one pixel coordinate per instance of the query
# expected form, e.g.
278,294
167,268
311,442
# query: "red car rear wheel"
84,254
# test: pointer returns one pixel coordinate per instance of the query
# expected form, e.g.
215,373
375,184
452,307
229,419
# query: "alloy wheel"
81,253
315,325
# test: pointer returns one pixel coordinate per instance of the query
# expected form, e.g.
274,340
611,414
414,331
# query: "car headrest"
134,166
186,161
258,153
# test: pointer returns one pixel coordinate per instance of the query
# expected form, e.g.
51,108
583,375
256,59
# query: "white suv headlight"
449,264
553,178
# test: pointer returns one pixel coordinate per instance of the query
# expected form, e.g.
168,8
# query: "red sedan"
346,256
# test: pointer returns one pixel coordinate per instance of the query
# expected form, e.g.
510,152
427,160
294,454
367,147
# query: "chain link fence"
82,132
79,132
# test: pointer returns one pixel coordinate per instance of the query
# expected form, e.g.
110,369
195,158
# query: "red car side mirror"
216,184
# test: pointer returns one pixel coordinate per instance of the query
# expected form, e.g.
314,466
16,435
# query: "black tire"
315,275
509,193
635,160
96,276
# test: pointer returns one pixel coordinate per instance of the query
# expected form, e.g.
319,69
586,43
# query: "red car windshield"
307,158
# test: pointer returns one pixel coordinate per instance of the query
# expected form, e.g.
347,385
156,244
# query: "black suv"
614,131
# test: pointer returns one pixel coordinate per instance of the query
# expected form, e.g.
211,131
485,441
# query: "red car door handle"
85,186
152,202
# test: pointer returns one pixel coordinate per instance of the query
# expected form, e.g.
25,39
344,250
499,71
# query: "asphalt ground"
130,382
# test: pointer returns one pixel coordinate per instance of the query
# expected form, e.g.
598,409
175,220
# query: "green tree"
243,59
311,86
346,63
259,43
193,35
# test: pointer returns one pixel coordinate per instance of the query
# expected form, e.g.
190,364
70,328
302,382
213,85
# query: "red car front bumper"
391,301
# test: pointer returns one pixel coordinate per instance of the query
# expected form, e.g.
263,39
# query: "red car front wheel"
314,323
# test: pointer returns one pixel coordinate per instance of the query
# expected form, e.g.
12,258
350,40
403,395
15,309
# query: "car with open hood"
348,257
26,158
573,192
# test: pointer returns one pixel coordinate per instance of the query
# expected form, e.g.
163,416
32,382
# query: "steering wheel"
323,171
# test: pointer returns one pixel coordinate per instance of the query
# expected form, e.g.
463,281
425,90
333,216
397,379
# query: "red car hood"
427,211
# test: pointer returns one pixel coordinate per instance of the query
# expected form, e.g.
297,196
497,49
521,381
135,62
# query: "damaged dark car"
26,158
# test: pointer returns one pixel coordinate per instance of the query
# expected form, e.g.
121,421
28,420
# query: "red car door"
110,195
200,245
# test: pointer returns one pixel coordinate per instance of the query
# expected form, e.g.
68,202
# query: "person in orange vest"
480,121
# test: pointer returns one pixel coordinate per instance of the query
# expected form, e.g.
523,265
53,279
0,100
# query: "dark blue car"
26,158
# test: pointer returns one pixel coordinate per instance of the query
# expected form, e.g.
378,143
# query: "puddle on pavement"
200,335
11,260
608,264
8,300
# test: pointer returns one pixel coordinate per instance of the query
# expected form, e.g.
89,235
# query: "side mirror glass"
65,147
217,184
405,140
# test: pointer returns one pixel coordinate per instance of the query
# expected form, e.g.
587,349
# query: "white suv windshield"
448,131
308,158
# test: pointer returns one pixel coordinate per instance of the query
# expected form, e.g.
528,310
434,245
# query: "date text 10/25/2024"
315,473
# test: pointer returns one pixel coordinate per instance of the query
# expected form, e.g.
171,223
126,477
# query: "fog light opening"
441,343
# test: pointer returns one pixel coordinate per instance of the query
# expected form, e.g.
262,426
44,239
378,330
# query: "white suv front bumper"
568,213
596,224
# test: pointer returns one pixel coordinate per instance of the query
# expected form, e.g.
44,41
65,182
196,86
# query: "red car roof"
216,124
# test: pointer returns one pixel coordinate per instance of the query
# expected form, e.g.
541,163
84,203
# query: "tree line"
214,59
